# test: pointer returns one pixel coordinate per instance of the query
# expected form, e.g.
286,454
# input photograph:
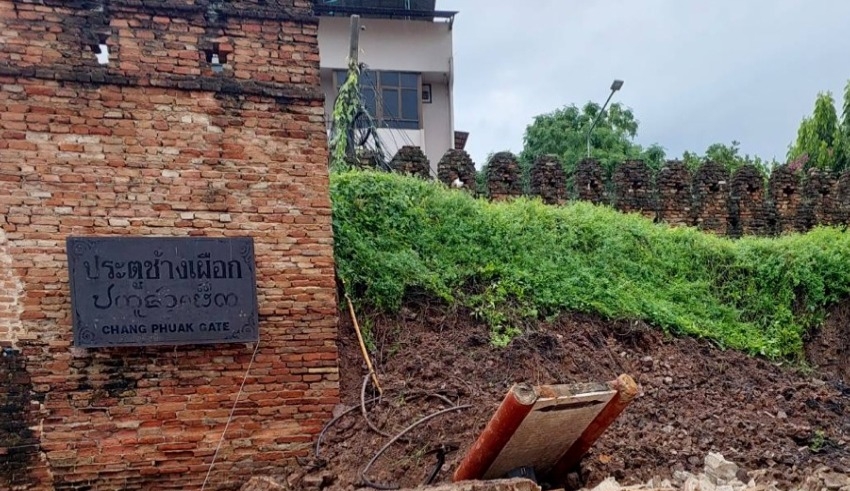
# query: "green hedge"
512,262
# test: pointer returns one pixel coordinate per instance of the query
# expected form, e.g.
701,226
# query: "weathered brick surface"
710,189
819,203
841,202
633,188
11,293
411,160
590,181
548,180
673,185
749,212
457,165
786,197
708,199
504,178
147,145
19,448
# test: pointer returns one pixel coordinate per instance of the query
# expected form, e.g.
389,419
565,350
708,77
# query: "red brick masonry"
157,143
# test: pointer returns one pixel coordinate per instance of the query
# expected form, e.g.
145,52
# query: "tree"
729,156
820,142
843,150
563,132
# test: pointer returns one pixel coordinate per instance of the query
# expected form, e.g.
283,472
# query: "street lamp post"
615,86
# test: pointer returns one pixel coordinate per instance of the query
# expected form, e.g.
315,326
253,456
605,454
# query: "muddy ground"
696,398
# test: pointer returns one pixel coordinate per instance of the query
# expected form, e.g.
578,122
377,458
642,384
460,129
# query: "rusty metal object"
546,428
511,412
627,390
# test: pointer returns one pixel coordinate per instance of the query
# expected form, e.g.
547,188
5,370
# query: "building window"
391,98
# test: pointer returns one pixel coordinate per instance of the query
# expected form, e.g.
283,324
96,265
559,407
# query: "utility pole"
354,43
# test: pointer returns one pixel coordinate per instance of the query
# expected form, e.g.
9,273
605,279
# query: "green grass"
513,262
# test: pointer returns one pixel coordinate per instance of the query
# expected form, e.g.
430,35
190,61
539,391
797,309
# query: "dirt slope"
696,398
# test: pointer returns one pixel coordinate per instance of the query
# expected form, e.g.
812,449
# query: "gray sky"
696,72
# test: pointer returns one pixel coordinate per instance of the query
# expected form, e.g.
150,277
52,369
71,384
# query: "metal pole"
596,119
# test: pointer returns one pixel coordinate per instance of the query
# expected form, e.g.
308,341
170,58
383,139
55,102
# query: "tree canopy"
563,132
823,141
729,156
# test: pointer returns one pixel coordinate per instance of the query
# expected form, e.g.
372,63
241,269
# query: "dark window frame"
380,82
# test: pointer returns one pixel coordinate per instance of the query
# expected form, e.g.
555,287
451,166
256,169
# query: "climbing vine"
345,110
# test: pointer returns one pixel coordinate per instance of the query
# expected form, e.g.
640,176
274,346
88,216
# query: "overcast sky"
696,72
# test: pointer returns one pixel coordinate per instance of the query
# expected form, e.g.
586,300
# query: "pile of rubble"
718,474
721,475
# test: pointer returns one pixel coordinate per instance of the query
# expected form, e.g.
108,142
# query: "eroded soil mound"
828,350
695,399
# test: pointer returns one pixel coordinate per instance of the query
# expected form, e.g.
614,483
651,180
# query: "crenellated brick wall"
673,189
456,169
710,188
747,207
548,180
633,188
785,195
411,160
589,181
504,177
156,142
745,203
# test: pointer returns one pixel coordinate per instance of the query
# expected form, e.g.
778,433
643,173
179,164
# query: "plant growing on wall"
345,110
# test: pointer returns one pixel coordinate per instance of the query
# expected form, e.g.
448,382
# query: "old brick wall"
589,181
841,200
819,203
673,191
747,205
457,165
157,143
548,180
411,160
785,195
504,176
634,189
11,291
19,448
710,189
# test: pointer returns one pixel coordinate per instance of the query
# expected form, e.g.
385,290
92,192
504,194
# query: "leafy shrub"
514,262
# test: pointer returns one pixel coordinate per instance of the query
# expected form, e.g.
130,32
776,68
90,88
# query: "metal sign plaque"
142,291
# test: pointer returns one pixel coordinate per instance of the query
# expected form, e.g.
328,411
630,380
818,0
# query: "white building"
406,46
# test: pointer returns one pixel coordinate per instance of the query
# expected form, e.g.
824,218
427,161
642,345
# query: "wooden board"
557,420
